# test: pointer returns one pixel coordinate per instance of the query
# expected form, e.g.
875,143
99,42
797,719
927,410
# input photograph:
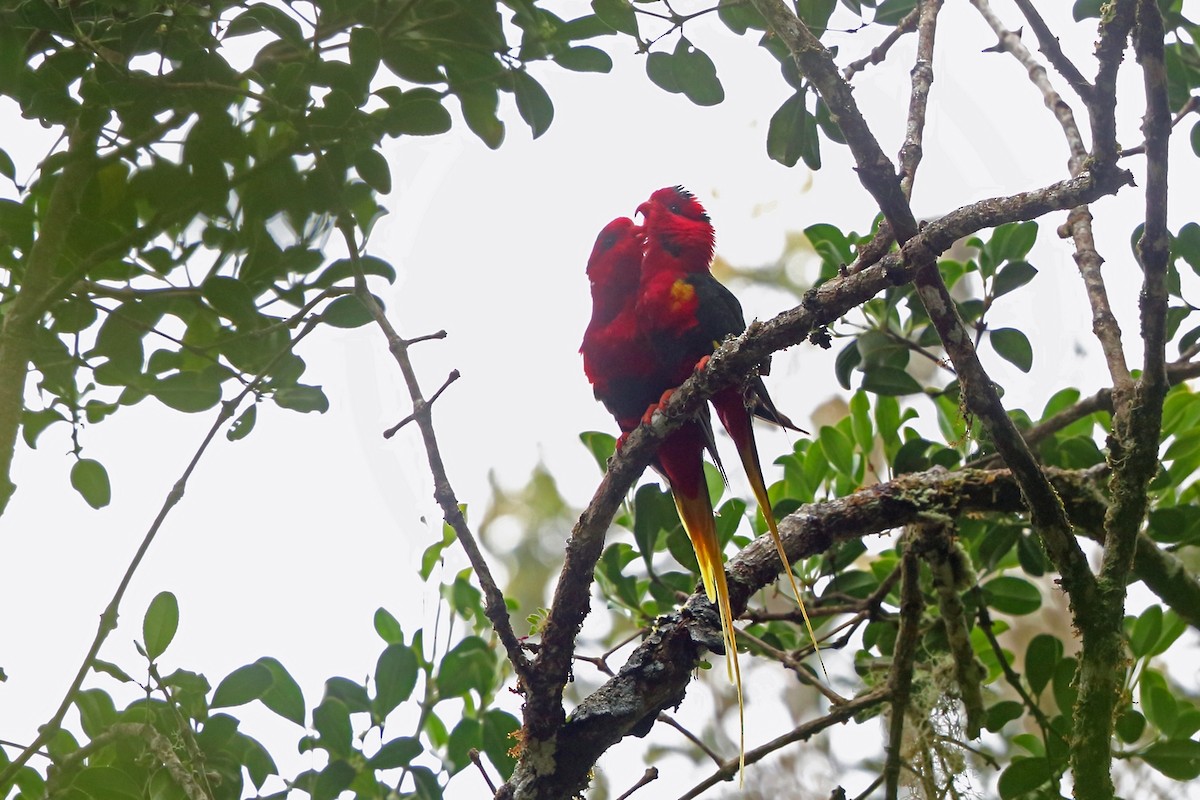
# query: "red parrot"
630,379
686,314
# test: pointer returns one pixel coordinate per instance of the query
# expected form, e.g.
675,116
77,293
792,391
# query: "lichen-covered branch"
912,606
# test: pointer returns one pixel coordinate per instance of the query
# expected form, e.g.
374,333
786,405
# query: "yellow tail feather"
697,517
754,473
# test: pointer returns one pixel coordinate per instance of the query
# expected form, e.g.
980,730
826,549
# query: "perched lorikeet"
630,379
685,313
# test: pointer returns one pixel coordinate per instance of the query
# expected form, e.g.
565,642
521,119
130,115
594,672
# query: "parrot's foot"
656,407
702,363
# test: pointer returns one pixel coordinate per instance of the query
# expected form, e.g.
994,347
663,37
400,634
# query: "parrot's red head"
678,230
617,255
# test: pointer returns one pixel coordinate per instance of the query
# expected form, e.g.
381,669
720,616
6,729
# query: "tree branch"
912,605
494,605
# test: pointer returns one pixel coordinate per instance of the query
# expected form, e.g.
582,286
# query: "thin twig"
1048,44
473,754
802,732
794,664
907,25
1192,104
649,776
1011,676
667,719
495,608
451,378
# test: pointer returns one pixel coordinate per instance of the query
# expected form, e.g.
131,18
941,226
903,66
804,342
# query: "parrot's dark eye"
675,208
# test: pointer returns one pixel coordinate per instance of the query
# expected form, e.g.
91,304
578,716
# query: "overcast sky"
287,541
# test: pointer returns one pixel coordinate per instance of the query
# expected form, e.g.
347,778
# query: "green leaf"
1001,714
1173,627
617,14
1086,9
302,398
332,721
533,103
333,780
346,312
107,667
1011,595
499,728
284,696
417,112
190,392
469,665
7,168
891,381
160,623
106,783
242,426
90,479
395,678
365,52
1012,346
398,752
890,12
350,694
788,131
1146,631
373,168
860,421
602,446
1023,776
388,627
846,361
1012,276
230,298
740,17
1177,758
1041,656
697,75
584,58
838,449
244,684
464,738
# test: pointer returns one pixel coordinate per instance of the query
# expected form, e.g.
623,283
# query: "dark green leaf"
617,14
1001,714
427,784
242,426
417,112
189,392
160,623
499,729
1041,657
1012,346
884,380
284,696
890,12
352,695
660,69
1130,725
1012,276
106,783
395,677
333,780
396,753
1177,758
1146,631
740,17
464,738
1173,627
533,103
469,665
584,58
838,449
846,361
1011,595
107,667
242,685
788,131
90,479
388,627
332,721
230,298
365,52
600,445
1023,776
373,168
1086,9
302,398
346,312
34,422
697,75
7,168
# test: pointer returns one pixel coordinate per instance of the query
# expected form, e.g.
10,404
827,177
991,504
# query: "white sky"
287,542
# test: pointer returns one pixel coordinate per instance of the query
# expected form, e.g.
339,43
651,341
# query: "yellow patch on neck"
682,293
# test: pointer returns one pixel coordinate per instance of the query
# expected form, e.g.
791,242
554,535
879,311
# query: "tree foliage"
208,202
